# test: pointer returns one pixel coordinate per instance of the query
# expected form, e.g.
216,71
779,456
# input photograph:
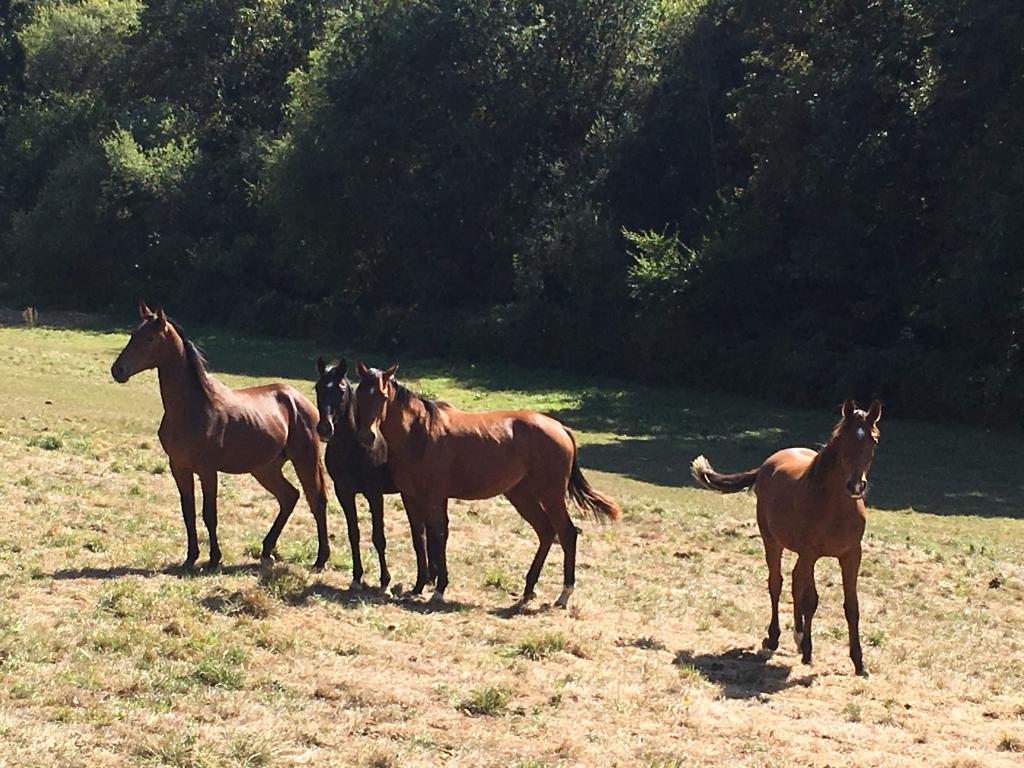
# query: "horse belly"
244,448
483,471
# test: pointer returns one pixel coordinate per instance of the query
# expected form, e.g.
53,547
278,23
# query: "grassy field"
109,656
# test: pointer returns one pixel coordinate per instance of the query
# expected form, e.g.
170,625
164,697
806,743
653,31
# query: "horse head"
148,347
334,396
376,391
856,436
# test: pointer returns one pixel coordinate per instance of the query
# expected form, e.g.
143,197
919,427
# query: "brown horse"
209,428
437,452
811,503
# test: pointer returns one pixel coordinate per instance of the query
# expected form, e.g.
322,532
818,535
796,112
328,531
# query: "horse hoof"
563,599
355,586
384,581
212,567
765,652
769,645
437,597
266,563
863,673
527,597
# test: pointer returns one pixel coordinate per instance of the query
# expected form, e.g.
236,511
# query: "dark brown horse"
209,428
437,452
348,464
811,503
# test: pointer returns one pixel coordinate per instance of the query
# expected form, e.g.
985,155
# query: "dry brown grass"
110,657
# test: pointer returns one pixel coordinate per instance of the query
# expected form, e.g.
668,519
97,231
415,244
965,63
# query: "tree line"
802,200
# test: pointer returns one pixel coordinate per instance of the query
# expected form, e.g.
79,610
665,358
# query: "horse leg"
554,506
849,564
531,511
348,504
287,496
773,556
380,543
418,529
805,603
437,546
185,481
311,476
209,483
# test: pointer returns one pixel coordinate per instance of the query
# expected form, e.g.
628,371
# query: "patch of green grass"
173,750
124,599
484,701
222,670
500,579
689,672
537,647
285,582
875,638
47,442
852,712
253,750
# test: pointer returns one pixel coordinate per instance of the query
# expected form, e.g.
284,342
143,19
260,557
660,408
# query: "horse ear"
849,406
321,366
390,372
875,412
144,312
161,315
342,367
361,368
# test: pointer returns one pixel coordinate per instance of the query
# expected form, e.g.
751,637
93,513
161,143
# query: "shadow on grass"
651,434
374,595
519,608
119,571
740,673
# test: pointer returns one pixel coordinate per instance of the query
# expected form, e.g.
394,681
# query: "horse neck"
827,466
346,428
404,415
183,387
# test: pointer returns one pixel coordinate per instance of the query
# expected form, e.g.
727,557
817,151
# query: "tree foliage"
806,199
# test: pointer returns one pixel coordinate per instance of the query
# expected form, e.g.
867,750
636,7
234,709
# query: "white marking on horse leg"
798,638
765,653
438,596
563,599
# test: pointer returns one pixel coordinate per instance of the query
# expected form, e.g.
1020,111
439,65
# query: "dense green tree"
806,199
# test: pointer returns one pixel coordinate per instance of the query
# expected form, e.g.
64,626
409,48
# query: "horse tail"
705,474
584,494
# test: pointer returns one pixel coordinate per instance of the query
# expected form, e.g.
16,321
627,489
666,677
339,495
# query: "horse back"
477,455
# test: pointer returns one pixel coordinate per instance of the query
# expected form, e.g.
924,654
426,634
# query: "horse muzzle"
119,374
857,488
325,428
373,443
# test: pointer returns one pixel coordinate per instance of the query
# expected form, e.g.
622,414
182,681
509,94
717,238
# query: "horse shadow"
519,608
120,571
742,674
376,596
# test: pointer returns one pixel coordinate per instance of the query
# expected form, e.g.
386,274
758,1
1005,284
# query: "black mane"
193,354
403,395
